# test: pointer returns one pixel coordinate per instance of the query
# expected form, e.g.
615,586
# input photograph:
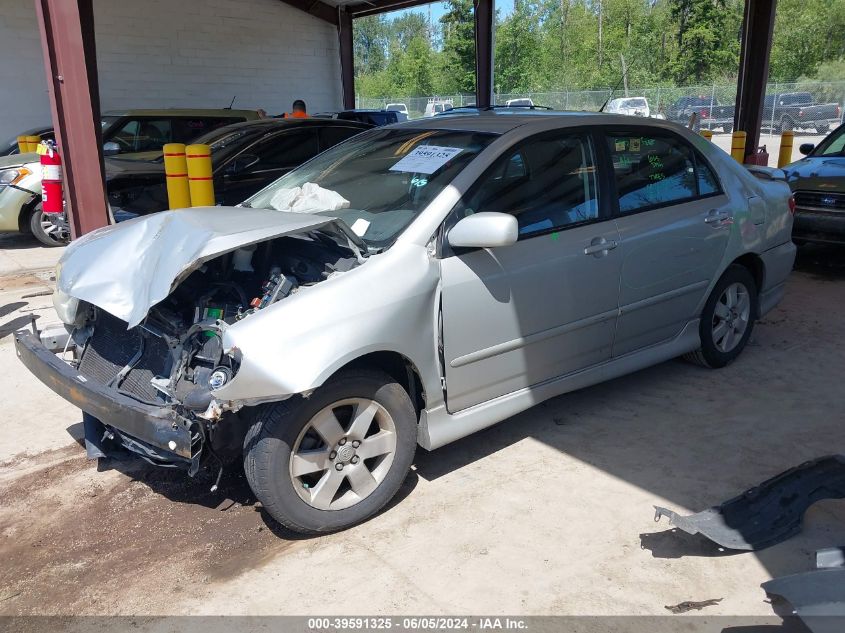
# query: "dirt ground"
549,512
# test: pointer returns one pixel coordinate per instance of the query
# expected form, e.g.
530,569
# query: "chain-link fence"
660,98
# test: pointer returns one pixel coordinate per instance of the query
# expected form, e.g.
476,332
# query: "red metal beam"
67,41
485,11
757,27
347,58
318,9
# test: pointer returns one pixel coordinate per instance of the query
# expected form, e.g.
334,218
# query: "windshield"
634,103
225,141
107,121
833,145
377,182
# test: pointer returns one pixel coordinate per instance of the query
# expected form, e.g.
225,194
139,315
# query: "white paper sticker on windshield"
426,159
359,227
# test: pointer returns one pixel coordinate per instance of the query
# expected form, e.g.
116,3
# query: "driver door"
516,316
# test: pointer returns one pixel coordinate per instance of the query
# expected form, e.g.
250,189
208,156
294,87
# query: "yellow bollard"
32,143
199,175
785,154
23,145
738,147
708,134
176,170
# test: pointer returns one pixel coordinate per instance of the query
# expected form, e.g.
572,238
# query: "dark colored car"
799,111
245,158
373,117
133,131
710,114
818,184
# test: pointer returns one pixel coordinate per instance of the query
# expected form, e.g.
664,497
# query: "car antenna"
231,103
615,88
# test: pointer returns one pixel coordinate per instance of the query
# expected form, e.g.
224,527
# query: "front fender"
295,345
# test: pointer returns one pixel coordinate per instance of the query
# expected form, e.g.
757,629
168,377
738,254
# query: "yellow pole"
785,154
199,175
176,170
708,134
738,147
23,144
32,143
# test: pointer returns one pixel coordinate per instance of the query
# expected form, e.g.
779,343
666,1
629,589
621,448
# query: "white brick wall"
179,53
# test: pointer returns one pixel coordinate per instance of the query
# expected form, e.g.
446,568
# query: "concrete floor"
549,512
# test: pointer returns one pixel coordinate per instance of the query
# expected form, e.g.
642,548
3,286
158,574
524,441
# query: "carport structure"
67,37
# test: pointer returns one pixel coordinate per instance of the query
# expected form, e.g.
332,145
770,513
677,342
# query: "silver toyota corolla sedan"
413,285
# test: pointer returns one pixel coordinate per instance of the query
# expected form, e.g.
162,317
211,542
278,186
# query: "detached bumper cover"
770,512
160,427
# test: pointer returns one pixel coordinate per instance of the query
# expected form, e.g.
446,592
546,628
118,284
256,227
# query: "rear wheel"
822,129
727,129
44,230
786,124
329,461
727,319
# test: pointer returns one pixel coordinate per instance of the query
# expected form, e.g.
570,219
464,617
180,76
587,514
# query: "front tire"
332,460
44,230
727,319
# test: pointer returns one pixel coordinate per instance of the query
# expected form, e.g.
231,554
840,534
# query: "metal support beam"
318,9
757,27
484,15
67,41
347,59
375,7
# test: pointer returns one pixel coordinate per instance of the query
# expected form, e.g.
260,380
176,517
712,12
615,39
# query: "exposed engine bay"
175,356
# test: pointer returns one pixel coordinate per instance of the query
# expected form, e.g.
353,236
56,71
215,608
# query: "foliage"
545,45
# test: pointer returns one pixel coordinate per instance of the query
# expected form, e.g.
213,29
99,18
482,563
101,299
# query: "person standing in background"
298,111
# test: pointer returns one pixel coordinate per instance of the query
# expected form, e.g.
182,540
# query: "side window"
143,135
286,150
331,136
654,170
547,182
186,129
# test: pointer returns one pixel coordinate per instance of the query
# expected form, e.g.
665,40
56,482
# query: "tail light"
800,113
705,113
792,205
838,111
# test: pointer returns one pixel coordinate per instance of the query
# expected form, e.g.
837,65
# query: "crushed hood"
127,268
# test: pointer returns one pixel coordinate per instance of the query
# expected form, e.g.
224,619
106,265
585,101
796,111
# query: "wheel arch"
26,213
397,366
754,264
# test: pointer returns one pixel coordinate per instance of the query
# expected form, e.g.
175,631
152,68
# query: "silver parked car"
412,285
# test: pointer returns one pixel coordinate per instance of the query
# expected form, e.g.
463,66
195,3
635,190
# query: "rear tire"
822,129
727,319
727,129
44,230
314,470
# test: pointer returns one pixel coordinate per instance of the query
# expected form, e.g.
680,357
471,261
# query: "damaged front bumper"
157,433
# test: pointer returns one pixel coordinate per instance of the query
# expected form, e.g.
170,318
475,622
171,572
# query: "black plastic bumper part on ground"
160,427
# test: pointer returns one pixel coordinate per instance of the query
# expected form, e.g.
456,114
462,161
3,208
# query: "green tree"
807,34
517,49
456,63
370,35
707,39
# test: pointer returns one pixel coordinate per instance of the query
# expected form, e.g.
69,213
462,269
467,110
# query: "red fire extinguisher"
52,200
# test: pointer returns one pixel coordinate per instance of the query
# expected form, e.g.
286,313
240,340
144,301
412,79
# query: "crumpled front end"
149,385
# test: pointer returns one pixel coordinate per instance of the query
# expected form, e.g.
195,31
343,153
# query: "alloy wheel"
343,454
731,317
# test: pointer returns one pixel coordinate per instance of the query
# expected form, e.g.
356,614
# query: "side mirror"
484,230
806,148
111,148
241,163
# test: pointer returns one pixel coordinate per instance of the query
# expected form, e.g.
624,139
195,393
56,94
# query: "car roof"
270,124
504,120
186,112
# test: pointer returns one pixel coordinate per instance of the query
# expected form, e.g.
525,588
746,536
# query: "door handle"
718,218
599,247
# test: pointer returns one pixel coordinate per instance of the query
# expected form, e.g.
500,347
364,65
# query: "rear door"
674,223
546,306
265,161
